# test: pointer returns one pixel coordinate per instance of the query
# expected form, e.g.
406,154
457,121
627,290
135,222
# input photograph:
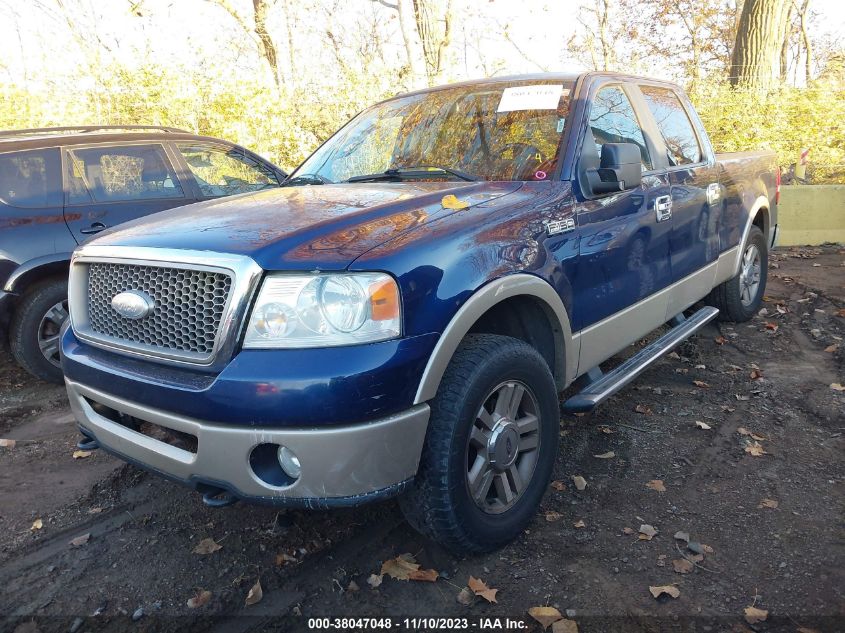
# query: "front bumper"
341,465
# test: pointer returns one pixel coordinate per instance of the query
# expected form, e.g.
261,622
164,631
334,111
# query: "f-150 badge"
553,227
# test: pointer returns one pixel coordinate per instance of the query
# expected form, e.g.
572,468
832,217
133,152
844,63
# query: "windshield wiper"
306,179
413,173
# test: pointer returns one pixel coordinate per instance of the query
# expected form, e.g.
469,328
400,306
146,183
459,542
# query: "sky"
36,43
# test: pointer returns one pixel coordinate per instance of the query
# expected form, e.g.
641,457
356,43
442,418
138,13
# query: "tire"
734,303
37,320
485,370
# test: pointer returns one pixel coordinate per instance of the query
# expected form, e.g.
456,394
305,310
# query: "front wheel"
739,298
490,446
34,331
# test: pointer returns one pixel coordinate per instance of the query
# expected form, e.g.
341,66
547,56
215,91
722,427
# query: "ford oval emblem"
132,304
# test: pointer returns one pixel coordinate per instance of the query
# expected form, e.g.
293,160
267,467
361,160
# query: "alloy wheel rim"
49,331
503,447
749,278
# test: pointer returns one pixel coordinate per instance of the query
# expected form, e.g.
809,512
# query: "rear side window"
31,179
682,146
222,171
120,173
613,120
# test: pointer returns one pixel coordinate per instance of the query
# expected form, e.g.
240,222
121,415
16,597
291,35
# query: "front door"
107,185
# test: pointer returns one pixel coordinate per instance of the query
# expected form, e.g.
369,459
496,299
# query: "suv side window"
119,173
682,146
613,120
221,171
31,179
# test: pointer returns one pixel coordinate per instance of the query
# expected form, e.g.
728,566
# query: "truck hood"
303,228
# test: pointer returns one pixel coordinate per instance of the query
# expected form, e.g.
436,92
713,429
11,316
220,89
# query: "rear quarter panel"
745,178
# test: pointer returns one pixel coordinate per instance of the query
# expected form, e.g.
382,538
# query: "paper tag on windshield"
541,97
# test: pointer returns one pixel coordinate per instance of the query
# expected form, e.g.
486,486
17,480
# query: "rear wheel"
490,446
739,298
34,331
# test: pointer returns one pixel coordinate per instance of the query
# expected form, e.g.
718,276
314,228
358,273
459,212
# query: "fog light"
289,462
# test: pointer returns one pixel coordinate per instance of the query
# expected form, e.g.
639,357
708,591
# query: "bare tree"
434,27
758,43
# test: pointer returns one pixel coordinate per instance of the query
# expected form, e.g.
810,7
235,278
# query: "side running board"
608,384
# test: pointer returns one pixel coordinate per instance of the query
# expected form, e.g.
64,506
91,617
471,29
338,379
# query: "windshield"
494,131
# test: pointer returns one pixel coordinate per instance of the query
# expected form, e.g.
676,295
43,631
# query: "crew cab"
400,318
61,186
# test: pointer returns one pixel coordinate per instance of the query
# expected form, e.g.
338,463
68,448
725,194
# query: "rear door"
694,191
225,170
106,185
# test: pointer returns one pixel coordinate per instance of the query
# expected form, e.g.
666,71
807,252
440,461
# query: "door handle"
663,207
94,228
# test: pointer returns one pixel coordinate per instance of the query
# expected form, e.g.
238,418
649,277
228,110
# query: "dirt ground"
769,525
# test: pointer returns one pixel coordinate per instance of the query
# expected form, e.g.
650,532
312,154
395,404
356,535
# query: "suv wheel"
739,298
34,332
490,446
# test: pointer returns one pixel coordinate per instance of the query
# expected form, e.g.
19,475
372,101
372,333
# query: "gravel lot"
683,440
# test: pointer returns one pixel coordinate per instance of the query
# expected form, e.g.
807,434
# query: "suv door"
107,185
221,170
693,179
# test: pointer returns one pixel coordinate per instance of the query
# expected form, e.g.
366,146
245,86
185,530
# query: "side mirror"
620,169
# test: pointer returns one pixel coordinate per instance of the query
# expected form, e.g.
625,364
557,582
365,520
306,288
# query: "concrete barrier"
811,214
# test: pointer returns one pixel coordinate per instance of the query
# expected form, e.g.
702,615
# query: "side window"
31,179
681,143
613,120
221,171
119,173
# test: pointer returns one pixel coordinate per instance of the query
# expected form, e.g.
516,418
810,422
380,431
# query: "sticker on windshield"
541,97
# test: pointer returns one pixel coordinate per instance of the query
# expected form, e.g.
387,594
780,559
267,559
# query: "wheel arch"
529,296
758,216
35,270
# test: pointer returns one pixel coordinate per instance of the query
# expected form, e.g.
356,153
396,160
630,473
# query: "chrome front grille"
189,306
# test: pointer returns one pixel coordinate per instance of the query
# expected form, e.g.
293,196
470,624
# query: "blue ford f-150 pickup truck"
399,319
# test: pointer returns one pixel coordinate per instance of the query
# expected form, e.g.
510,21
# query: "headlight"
324,311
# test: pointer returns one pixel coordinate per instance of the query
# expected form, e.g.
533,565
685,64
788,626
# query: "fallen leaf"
703,425
579,524
79,541
199,600
627,530
755,449
756,374
96,510
424,575
673,355
607,455
656,484
682,566
400,567
282,558
768,503
207,546
836,386
480,588
669,590
579,481
682,536
743,398
707,548
565,626
701,384
558,485
255,594
374,580
841,312
353,586
773,327
606,430
641,408
830,349
647,532
465,596
8,443
755,436
81,454
804,629
720,340
553,516
545,615
451,202
753,615
37,525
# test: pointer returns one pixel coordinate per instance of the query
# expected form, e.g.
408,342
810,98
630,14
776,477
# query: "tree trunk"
406,27
434,36
808,47
758,43
784,47
266,45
